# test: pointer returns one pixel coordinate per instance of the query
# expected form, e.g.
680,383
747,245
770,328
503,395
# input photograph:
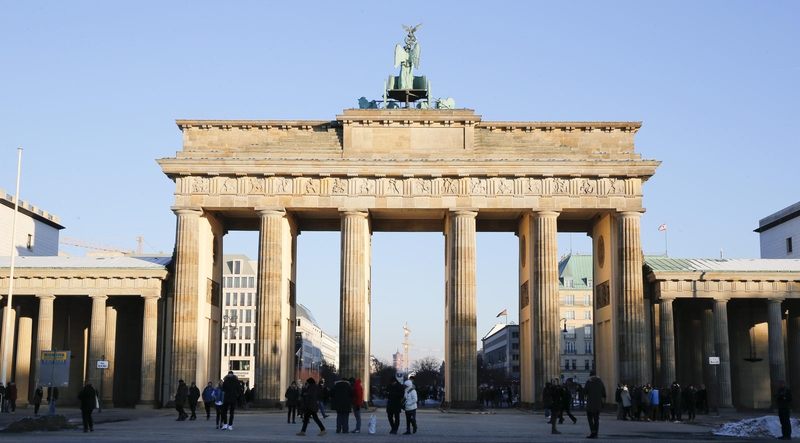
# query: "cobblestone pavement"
495,425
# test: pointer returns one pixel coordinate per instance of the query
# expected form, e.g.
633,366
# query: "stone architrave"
44,332
722,347
544,259
777,355
97,338
353,294
149,343
461,312
632,335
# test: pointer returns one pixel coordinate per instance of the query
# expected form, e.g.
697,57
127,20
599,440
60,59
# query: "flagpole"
6,323
666,249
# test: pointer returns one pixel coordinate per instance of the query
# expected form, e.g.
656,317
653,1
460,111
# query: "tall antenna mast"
406,344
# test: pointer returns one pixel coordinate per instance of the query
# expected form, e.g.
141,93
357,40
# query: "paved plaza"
497,425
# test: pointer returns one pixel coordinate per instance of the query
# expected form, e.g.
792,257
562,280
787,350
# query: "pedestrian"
566,404
38,394
208,399
292,395
218,396
702,399
324,397
181,396
645,401
618,400
88,401
194,395
557,401
784,402
311,402
357,401
52,398
666,405
690,398
249,395
626,403
410,398
595,392
655,404
12,397
341,399
547,398
394,401
676,394
230,388
509,396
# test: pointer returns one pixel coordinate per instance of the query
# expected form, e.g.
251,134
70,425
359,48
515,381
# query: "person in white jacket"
410,405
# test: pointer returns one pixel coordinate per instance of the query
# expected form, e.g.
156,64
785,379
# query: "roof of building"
246,264
578,268
304,312
30,210
499,327
67,262
663,264
779,217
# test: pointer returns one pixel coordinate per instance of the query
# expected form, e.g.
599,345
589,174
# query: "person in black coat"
557,396
292,397
784,402
194,396
88,400
394,400
180,400
341,397
676,393
312,394
230,389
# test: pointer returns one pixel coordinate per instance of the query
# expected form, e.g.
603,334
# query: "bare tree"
427,370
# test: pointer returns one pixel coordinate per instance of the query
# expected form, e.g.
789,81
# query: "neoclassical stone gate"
409,170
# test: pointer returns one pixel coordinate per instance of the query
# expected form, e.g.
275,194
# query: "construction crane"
406,344
81,243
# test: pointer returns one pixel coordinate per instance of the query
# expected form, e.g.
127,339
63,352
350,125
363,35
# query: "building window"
236,282
573,364
229,282
247,332
224,351
227,299
515,368
566,363
30,242
233,350
298,322
570,315
514,346
788,244
237,267
249,316
569,300
570,332
249,299
587,315
247,351
235,299
587,300
515,335
586,364
514,357
570,347
568,283
587,331
587,350
242,299
251,281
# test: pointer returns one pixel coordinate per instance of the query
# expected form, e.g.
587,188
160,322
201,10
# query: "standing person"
37,399
626,403
88,401
12,397
311,402
52,397
194,395
324,397
666,405
410,398
557,401
181,396
618,400
690,397
208,399
341,399
219,395
509,396
357,401
547,398
702,399
394,401
655,404
230,395
676,394
292,396
645,401
784,402
595,397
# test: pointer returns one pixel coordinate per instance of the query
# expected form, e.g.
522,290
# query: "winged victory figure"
407,57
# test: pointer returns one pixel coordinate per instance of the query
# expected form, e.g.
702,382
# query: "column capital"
777,300
150,295
631,214
187,210
546,213
666,299
45,296
98,297
270,211
343,212
464,212
721,299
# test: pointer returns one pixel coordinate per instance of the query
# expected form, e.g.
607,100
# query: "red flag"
505,312
663,227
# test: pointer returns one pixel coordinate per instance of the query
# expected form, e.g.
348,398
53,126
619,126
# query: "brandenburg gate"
413,170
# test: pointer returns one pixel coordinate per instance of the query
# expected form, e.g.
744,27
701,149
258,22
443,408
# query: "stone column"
724,395
667,332
547,337
110,351
10,355
44,332
269,318
462,311
793,337
353,293
147,397
185,309
633,360
777,356
97,338
23,368
709,371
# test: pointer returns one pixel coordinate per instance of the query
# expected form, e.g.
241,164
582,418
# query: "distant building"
575,306
239,316
779,233
398,361
37,231
501,351
313,346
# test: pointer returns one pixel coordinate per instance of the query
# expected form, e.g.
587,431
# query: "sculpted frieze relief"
408,186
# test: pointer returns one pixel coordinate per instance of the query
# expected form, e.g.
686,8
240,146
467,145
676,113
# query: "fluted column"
97,338
722,348
777,356
44,332
185,308
544,259
110,351
147,396
793,337
353,293
3,339
667,332
632,335
270,293
23,366
462,322
709,371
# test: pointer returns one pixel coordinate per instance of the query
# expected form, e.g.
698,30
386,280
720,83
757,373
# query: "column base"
463,405
268,404
149,404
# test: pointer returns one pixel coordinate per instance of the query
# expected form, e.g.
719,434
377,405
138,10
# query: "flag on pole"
663,227
299,352
505,312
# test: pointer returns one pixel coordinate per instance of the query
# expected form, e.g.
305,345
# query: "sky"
91,91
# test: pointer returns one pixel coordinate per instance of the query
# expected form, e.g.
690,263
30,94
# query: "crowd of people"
670,403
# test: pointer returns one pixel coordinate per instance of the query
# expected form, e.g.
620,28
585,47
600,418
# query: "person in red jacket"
357,400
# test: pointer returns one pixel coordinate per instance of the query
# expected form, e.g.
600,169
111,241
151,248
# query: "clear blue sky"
91,90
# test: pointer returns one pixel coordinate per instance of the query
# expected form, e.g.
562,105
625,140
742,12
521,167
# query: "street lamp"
229,325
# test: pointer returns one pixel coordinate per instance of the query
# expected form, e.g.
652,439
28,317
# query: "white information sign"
713,360
102,364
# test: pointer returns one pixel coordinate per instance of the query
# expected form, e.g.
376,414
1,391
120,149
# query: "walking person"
37,399
292,397
208,399
88,401
194,395
218,396
547,399
595,392
181,396
311,402
618,401
324,397
784,403
410,398
566,404
557,402
52,397
357,401
230,395
394,401
341,399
